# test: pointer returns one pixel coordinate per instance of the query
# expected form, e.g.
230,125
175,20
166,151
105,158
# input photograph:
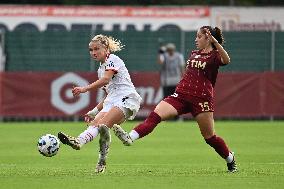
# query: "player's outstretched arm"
223,53
95,85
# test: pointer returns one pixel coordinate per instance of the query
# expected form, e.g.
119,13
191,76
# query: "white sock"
88,135
230,158
133,135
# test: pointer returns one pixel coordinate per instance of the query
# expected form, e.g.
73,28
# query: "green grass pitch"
174,156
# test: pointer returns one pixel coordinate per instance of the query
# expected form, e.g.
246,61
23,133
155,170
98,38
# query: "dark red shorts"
190,104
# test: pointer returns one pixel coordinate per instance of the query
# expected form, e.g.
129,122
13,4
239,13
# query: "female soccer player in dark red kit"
194,94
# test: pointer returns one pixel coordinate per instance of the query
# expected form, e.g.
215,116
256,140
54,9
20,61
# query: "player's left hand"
77,90
88,119
210,37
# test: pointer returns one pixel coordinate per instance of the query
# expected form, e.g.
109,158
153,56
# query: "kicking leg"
162,111
87,136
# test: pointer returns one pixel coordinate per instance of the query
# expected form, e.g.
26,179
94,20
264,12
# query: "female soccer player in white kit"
122,102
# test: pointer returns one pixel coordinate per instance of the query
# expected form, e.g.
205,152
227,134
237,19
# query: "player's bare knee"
208,135
206,132
165,111
94,122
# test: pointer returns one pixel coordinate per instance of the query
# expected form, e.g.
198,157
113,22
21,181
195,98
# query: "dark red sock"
148,125
219,145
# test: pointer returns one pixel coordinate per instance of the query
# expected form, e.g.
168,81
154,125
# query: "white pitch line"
270,163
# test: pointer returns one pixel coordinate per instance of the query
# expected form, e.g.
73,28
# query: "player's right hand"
77,90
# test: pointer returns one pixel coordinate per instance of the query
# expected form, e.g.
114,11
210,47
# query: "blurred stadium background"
44,53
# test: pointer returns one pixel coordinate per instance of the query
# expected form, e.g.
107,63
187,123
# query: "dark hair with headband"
216,33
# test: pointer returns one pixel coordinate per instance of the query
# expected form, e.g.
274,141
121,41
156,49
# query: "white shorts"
129,104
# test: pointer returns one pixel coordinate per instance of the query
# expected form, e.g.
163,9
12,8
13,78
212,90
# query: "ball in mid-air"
48,145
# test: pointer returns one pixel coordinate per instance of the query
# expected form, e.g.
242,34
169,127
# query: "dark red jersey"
200,75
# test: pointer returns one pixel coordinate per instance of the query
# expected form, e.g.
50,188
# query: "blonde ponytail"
111,44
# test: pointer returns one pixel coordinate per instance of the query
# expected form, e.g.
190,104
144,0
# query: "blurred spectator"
2,54
172,68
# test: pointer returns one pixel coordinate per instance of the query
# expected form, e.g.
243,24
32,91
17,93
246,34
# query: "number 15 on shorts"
204,106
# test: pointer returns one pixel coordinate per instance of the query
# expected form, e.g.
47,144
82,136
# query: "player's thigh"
165,110
114,116
205,122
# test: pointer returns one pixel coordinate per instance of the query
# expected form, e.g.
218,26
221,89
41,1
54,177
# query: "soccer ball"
48,145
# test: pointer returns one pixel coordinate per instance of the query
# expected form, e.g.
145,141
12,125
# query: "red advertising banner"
104,11
250,95
238,95
44,18
36,94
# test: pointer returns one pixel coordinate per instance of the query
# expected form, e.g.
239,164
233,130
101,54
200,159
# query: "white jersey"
120,90
120,82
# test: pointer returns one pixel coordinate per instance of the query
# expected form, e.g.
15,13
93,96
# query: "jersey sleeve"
113,64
